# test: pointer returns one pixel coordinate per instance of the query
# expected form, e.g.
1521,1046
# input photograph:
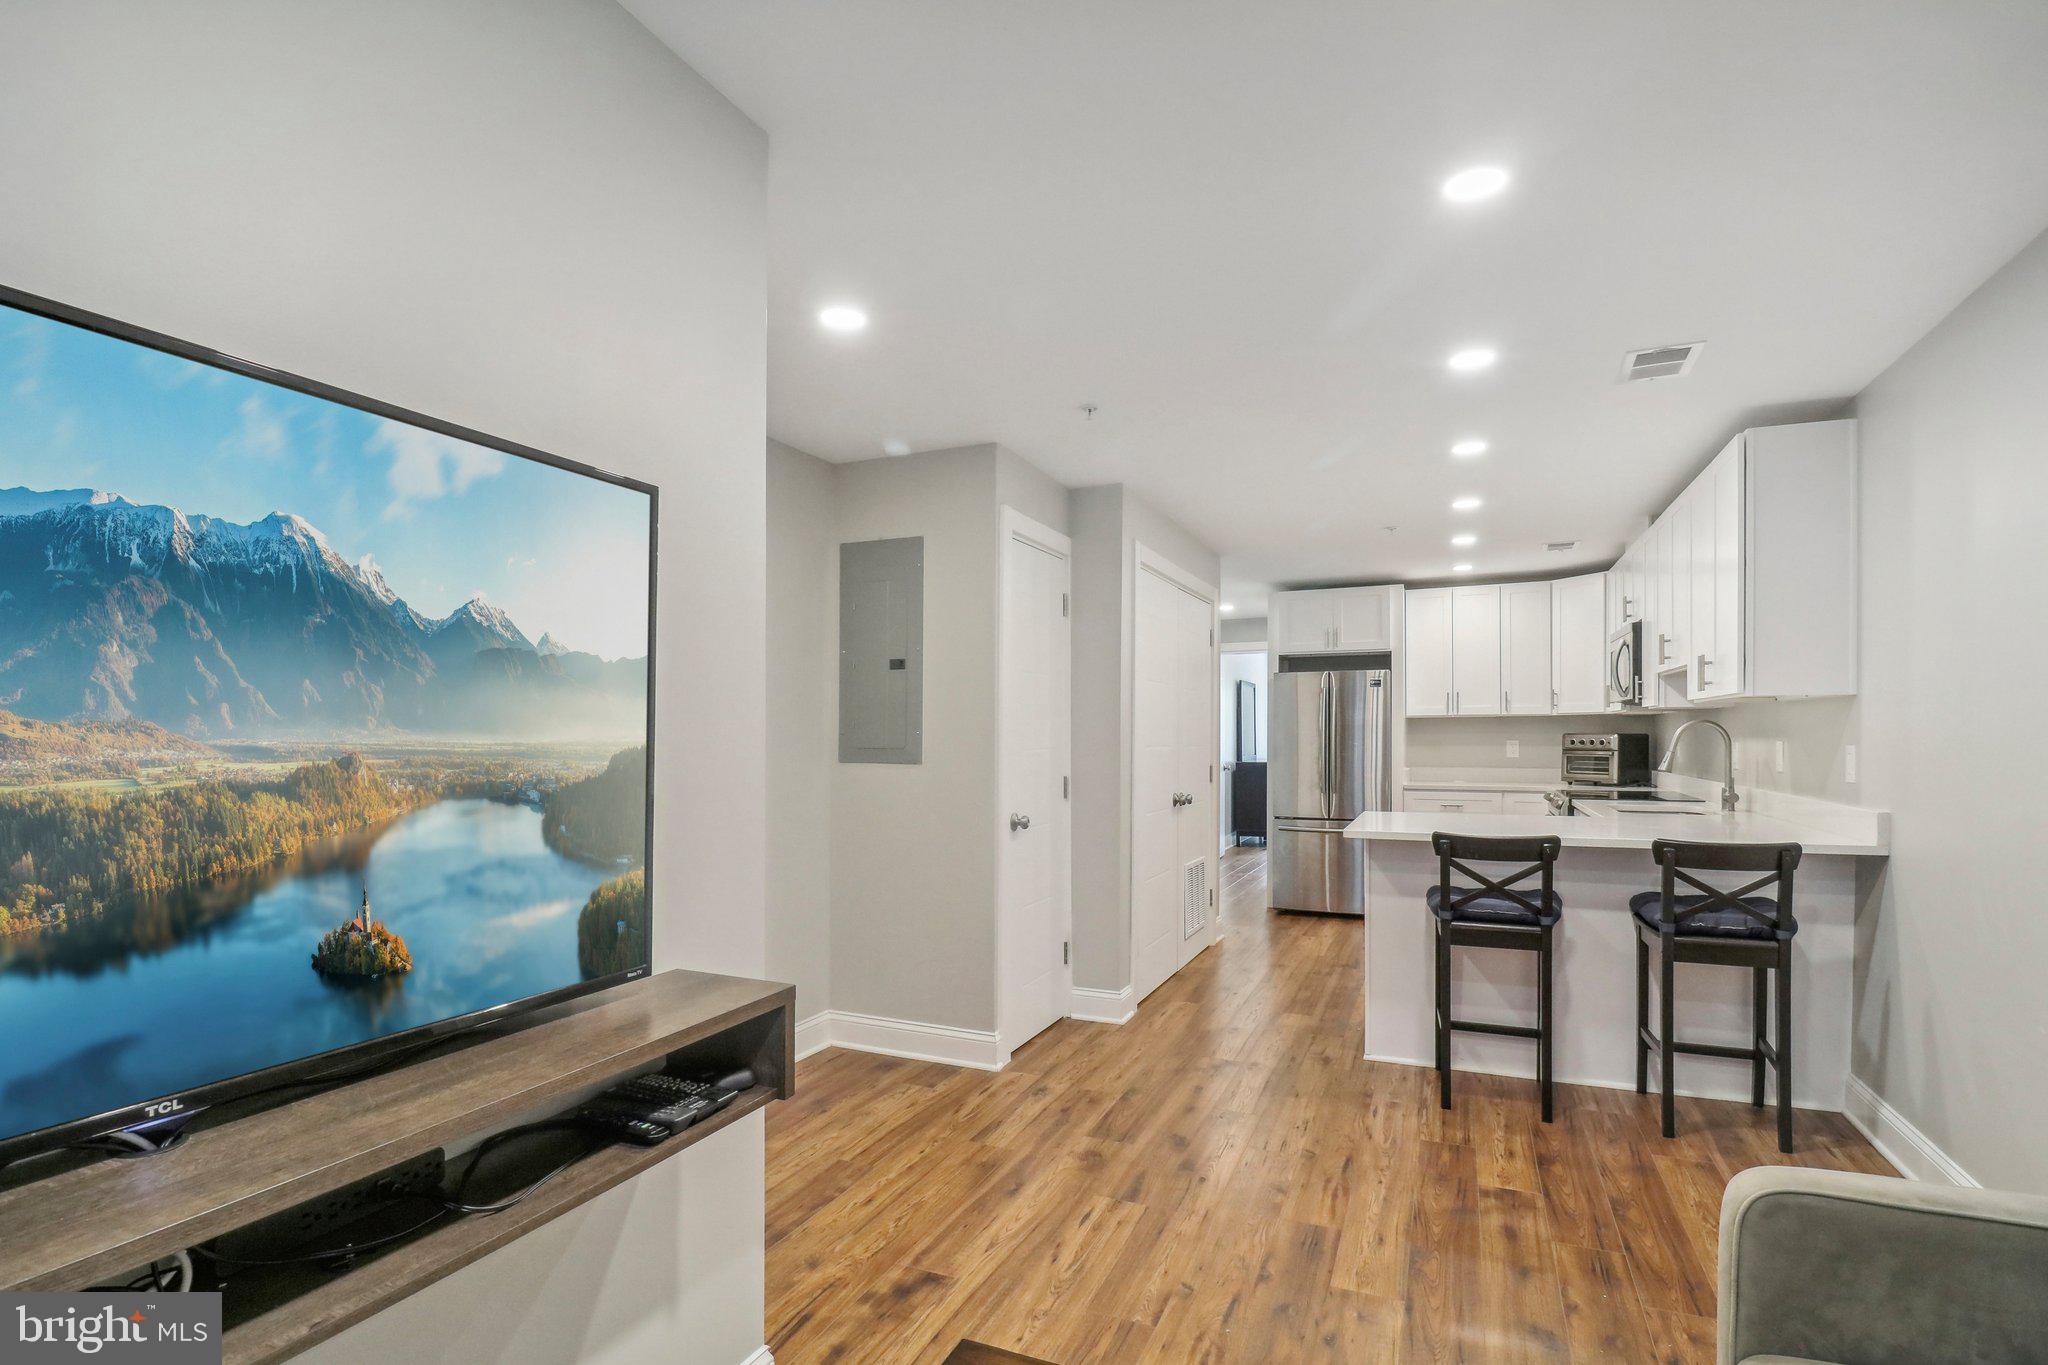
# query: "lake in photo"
157,996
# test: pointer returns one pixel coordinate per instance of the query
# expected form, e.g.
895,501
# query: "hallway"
1225,1178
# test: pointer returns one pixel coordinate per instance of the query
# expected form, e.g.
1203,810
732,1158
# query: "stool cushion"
1649,908
1491,909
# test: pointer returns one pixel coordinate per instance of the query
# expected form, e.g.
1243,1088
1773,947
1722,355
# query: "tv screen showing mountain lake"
282,769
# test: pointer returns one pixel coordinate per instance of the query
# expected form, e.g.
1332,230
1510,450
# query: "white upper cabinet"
1365,618
1717,647
1302,623
1332,621
1475,651
1790,506
1578,643
1750,576
1426,661
1525,653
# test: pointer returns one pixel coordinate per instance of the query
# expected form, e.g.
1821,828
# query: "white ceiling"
1220,222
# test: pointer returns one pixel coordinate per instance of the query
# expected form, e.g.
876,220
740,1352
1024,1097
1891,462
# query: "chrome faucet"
1728,797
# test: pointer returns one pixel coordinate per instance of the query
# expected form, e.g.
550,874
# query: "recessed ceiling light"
843,318
1472,358
1464,504
1470,446
1475,183
892,446
1462,541
1461,568
1226,607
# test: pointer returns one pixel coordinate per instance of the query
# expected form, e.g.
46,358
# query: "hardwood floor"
1224,1178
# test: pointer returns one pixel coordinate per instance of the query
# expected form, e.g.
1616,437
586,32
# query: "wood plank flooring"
1224,1178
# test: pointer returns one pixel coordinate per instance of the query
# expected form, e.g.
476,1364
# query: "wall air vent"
1660,362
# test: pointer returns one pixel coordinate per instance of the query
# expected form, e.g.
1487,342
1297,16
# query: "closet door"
1173,792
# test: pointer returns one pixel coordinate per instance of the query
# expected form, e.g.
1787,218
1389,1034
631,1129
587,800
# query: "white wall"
1951,1014
1108,524
1465,742
526,216
803,554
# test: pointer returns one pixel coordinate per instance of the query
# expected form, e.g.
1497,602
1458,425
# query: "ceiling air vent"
1558,547
1660,362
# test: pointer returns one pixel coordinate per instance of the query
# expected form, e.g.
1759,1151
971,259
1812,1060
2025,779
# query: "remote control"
624,1124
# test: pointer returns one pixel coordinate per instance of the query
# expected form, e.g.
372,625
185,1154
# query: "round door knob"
1018,822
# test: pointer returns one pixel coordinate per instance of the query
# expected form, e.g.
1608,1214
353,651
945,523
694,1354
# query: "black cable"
455,1202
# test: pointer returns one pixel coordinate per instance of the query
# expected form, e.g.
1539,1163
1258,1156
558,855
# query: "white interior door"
1173,793
1033,828
1195,687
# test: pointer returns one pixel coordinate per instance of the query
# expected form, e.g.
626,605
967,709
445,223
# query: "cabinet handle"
1454,805
1704,661
1553,699
1663,649
1018,822
1447,703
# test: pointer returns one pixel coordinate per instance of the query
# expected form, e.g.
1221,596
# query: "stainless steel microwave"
1625,666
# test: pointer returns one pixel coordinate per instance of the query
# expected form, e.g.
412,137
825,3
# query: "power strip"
313,1221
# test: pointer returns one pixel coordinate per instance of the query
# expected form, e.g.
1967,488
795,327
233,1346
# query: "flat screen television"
325,727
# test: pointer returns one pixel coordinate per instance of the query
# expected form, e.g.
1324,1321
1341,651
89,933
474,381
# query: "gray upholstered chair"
1871,1270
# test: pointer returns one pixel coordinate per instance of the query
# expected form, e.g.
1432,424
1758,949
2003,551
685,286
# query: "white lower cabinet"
1451,802
1524,803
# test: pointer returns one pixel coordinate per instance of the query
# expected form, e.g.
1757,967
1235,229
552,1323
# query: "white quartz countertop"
1623,829
1468,785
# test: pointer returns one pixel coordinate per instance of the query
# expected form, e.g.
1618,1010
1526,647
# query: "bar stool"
1493,915
1738,928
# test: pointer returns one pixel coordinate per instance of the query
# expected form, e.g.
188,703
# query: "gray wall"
1243,630
526,216
913,845
802,728
884,903
1951,1014
1108,524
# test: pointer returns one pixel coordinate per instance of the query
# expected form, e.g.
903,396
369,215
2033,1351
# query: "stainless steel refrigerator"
1330,735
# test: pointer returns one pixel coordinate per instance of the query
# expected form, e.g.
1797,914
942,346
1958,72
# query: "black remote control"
625,1125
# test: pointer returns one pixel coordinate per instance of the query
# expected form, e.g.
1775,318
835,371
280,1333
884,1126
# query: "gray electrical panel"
881,651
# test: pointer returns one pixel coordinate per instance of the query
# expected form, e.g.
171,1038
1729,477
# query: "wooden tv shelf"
79,1227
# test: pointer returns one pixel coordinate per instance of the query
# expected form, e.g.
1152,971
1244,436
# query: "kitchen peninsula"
1605,859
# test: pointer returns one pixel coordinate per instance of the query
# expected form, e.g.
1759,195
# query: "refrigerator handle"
1332,760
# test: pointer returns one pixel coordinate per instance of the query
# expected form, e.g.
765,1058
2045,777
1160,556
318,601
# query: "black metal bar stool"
1494,915
1737,928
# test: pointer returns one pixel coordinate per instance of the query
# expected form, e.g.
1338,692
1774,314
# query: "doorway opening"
1243,807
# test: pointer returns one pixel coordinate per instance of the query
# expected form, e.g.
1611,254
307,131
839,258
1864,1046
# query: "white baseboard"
1899,1142
1733,1093
762,1356
902,1038
813,1035
1102,1007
